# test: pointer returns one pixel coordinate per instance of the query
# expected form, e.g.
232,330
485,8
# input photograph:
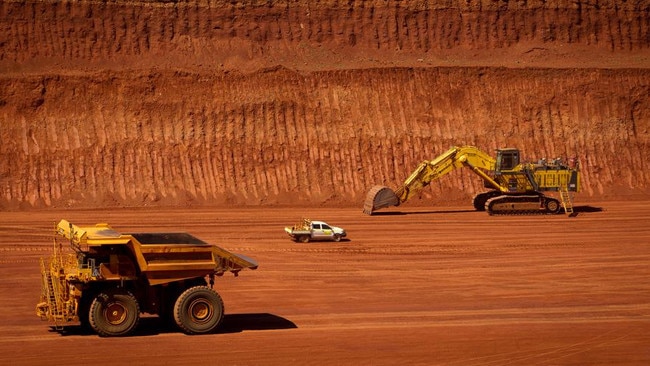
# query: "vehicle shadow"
587,209
397,213
328,242
576,210
231,323
237,323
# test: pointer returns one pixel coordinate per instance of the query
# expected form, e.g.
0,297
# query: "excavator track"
532,204
480,199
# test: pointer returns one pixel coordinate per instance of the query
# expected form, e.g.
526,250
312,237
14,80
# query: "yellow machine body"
148,269
515,188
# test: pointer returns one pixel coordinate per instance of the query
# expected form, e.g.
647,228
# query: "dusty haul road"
412,286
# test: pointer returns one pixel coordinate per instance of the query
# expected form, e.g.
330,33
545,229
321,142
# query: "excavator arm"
456,157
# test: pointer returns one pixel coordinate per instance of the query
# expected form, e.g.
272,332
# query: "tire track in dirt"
474,317
548,355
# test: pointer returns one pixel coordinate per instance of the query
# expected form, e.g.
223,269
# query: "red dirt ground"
445,286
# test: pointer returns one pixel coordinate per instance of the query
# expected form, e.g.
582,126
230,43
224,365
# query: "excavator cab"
507,159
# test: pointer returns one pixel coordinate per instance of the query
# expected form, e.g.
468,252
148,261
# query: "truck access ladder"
52,302
565,197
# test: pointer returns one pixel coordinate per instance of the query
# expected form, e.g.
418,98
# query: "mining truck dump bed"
161,257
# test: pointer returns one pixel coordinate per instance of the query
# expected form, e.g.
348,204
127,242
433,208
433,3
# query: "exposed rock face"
295,102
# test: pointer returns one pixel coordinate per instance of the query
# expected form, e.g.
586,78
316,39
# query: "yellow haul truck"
513,187
107,279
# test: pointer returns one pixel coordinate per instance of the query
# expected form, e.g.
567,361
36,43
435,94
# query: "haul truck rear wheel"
114,313
198,310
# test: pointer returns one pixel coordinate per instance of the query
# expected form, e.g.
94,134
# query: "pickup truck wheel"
198,310
337,237
114,313
304,239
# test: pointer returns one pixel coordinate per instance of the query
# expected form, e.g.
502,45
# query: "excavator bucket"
379,197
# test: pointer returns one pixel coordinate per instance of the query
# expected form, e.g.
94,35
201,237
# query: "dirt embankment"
207,102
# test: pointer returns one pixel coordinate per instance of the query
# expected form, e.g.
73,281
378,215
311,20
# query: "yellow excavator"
514,187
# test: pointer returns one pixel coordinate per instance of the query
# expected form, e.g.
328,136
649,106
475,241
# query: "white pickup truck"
308,230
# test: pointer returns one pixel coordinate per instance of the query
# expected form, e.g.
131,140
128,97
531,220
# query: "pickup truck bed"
308,230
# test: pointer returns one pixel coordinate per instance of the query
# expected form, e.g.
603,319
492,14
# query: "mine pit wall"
229,34
323,137
174,103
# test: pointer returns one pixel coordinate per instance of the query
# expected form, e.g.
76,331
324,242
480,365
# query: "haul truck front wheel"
114,313
198,310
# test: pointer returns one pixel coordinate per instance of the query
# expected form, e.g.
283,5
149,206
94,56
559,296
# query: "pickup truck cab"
308,230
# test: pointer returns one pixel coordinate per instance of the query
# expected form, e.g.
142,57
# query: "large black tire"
337,237
303,238
198,310
114,313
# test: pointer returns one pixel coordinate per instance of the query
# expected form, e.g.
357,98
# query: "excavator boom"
456,157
